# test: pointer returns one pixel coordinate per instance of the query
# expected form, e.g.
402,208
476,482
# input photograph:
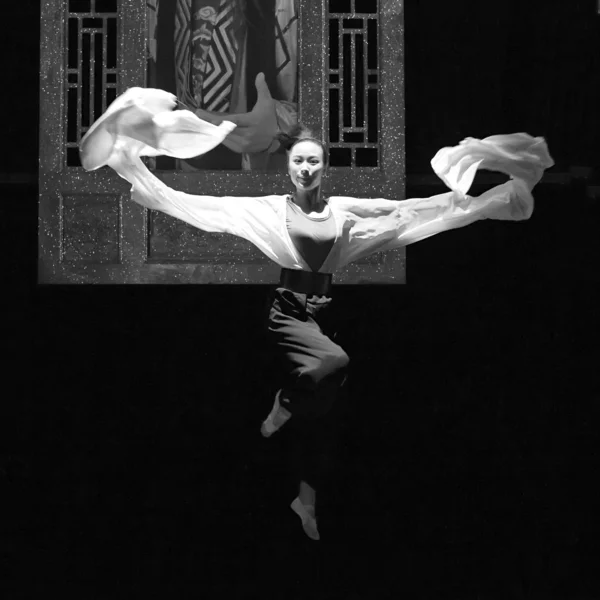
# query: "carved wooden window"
91,67
93,50
353,83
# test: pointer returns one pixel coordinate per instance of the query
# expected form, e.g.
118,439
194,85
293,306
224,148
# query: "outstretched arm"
218,214
380,225
253,218
142,123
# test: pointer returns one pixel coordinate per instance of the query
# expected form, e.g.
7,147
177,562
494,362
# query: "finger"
232,144
235,138
239,120
206,116
263,94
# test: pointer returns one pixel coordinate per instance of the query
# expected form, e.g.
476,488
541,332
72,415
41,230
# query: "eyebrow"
301,155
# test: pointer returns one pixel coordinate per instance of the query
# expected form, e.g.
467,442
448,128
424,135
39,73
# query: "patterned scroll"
91,83
354,83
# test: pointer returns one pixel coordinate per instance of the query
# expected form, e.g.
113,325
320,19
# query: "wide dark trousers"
313,369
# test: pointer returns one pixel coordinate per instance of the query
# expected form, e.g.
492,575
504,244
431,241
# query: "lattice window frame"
353,95
91,85
125,255
386,178
316,97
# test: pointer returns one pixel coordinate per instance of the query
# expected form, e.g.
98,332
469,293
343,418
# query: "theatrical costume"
208,53
308,248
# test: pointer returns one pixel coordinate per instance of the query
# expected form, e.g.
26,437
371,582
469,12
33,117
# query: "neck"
309,200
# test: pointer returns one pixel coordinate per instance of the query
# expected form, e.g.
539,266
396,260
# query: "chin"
307,187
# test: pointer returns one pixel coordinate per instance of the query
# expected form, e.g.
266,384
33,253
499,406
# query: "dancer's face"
306,165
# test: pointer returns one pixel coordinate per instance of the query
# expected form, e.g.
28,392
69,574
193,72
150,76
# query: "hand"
256,129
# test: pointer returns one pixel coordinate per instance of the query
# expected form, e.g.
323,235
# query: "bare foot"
307,495
276,419
308,518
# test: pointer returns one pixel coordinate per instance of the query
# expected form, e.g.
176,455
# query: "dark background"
467,465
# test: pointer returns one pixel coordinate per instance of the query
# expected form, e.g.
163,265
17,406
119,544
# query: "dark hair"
300,133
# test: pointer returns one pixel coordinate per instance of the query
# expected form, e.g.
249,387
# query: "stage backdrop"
336,65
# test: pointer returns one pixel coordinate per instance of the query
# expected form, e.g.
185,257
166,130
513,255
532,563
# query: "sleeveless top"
313,237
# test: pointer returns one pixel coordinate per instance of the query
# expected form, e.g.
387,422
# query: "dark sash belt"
306,282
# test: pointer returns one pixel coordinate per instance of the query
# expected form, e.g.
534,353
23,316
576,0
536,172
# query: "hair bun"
296,133
285,139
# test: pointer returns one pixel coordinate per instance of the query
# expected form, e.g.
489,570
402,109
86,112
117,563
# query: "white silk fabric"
141,122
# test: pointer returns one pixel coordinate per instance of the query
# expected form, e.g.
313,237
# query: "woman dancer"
308,235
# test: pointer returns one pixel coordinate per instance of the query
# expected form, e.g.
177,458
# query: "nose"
304,172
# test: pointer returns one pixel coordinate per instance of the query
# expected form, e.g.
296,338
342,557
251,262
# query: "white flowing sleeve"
251,218
141,122
377,225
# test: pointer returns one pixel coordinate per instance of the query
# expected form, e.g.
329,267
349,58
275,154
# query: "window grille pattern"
91,70
354,83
